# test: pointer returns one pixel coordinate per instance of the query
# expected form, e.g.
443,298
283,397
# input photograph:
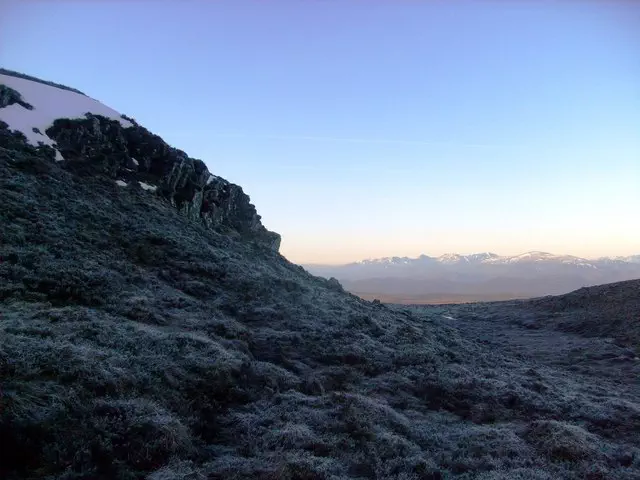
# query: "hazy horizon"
365,130
471,253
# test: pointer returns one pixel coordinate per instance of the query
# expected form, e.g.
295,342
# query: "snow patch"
49,103
211,179
135,161
146,186
121,183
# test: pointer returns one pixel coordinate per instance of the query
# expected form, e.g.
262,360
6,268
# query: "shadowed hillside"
611,310
144,336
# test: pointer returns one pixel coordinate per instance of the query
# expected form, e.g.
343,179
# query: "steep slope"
94,139
141,340
31,107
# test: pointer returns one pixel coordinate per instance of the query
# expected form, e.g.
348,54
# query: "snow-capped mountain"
494,259
386,261
629,259
528,274
535,256
447,259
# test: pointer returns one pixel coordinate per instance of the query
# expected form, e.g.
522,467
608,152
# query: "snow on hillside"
532,256
540,257
146,186
452,258
385,261
619,259
49,103
456,258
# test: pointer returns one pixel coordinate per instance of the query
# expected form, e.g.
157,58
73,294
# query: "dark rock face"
100,145
8,96
16,141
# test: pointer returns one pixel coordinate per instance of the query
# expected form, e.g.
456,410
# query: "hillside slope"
611,310
146,337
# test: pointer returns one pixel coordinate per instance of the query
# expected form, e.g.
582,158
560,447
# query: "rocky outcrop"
13,141
8,96
98,145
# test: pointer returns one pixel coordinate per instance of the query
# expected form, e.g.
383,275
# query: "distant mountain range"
480,276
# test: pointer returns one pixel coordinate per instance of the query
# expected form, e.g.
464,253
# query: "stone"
106,147
8,96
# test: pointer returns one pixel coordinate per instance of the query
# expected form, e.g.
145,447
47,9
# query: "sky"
364,129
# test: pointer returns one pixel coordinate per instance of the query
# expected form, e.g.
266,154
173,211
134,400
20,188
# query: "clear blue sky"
366,129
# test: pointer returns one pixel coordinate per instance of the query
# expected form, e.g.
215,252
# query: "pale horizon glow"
459,242
378,129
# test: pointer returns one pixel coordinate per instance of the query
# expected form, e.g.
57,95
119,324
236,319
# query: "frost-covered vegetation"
137,343
611,310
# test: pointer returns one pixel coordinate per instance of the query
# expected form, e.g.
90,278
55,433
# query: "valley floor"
601,370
